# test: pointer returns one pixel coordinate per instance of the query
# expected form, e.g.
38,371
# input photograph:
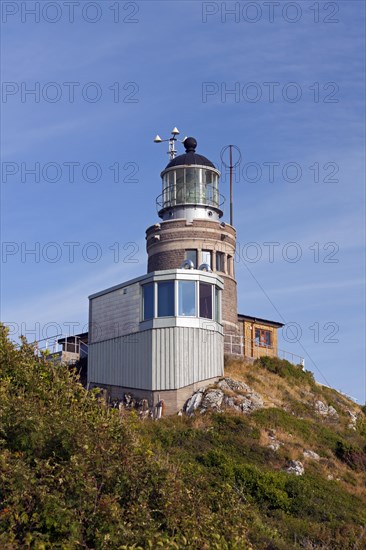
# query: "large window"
206,300
166,299
187,298
220,261
207,257
148,301
263,338
192,255
181,298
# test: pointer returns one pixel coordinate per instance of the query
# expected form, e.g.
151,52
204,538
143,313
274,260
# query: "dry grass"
277,392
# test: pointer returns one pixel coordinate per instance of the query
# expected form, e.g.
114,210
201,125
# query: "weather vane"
172,150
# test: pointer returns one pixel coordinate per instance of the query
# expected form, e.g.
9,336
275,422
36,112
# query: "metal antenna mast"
231,184
231,167
172,150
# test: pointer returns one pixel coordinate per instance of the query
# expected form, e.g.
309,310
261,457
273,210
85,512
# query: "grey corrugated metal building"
159,337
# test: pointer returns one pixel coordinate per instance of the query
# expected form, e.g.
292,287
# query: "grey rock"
251,403
323,410
353,421
213,399
295,467
332,412
311,454
194,402
233,385
244,400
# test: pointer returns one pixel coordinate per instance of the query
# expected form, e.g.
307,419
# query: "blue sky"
163,63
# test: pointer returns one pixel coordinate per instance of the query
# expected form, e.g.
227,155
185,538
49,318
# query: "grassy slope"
74,474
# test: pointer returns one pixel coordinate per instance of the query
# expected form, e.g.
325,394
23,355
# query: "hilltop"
274,461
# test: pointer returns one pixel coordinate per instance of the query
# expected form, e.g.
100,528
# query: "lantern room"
190,187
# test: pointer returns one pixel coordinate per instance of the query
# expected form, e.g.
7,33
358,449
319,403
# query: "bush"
285,369
352,455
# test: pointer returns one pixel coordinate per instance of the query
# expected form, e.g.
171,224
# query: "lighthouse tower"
161,336
191,233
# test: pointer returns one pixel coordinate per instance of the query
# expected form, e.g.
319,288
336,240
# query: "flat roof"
199,273
82,336
243,317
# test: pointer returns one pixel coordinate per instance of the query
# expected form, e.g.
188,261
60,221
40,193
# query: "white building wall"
115,314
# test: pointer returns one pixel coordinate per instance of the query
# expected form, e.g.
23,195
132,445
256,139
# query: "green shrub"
352,455
76,474
285,369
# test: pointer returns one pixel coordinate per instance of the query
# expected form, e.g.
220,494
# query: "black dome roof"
190,156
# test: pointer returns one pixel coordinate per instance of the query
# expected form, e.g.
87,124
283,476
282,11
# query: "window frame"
165,282
262,342
220,255
209,252
178,300
150,284
202,283
196,255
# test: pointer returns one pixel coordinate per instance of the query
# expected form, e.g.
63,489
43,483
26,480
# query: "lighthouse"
160,337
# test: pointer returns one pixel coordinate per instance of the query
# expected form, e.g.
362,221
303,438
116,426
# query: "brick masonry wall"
166,245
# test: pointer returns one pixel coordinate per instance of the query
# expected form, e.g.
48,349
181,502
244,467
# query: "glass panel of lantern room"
148,301
207,257
191,185
166,299
215,190
207,178
205,300
187,298
165,190
172,189
180,186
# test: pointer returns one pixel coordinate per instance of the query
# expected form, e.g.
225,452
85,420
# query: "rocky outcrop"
274,444
295,467
227,394
352,425
326,411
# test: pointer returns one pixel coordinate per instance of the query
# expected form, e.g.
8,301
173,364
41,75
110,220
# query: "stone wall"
167,242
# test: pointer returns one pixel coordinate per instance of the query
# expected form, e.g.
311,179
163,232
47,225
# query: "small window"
217,304
187,298
148,301
207,257
206,300
192,255
263,338
166,299
220,261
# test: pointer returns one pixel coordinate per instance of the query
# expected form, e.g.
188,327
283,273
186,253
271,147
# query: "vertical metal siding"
157,359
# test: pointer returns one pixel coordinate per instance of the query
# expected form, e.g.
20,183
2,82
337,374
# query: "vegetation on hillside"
75,473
